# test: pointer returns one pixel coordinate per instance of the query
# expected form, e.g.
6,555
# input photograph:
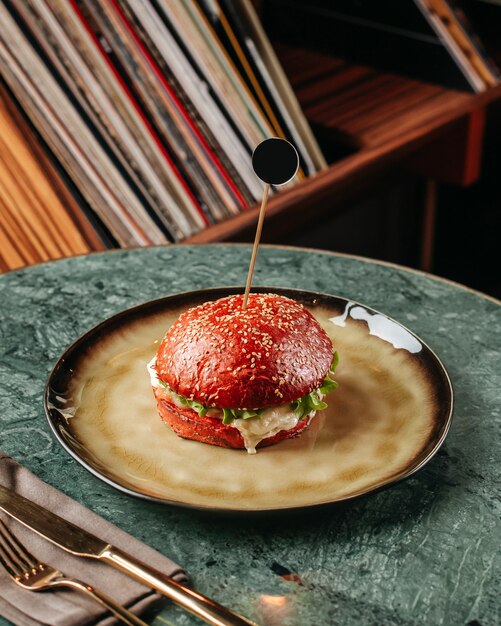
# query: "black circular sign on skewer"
275,161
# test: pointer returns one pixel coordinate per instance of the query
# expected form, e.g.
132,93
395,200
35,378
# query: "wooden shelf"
378,121
359,105
388,120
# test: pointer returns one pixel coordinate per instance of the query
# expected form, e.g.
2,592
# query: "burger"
242,378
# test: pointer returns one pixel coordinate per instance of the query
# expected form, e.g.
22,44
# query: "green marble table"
425,551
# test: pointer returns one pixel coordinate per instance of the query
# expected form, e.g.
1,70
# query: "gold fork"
30,573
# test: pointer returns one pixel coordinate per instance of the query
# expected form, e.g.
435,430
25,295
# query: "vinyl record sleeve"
461,31
253,69
36,200
245,14
218,73
88,223
442,31
113,102
97,85
55,47
223,162
225,33
121,53
85,160
155,90
166,81
166,48
162,102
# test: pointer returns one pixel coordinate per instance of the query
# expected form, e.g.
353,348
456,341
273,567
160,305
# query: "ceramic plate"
388,417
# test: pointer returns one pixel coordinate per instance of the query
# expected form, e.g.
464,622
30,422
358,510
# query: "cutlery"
82,543
30,573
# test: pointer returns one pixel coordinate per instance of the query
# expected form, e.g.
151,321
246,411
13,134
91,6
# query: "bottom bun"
187,423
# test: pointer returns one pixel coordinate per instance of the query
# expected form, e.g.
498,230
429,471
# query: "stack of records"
152,108
433,40
39,218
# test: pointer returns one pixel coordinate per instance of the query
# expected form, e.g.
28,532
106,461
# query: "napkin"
68,607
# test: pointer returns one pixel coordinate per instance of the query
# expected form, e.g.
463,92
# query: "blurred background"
128,123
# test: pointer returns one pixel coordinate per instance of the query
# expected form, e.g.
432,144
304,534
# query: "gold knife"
78,541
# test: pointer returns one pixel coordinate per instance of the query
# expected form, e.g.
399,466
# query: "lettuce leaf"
231,414
201,409
302,407
335,362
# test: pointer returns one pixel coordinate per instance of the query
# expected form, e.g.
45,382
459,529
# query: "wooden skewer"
275,162
257,238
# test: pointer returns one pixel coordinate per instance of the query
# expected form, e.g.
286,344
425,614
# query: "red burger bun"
269,354
186,423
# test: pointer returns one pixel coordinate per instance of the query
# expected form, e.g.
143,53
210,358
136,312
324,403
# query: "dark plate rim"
230,290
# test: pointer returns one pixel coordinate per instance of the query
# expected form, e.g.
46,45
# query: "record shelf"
386,121
370,123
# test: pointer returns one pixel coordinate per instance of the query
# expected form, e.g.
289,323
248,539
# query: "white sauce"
271,422
155,382
253,430
153,372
